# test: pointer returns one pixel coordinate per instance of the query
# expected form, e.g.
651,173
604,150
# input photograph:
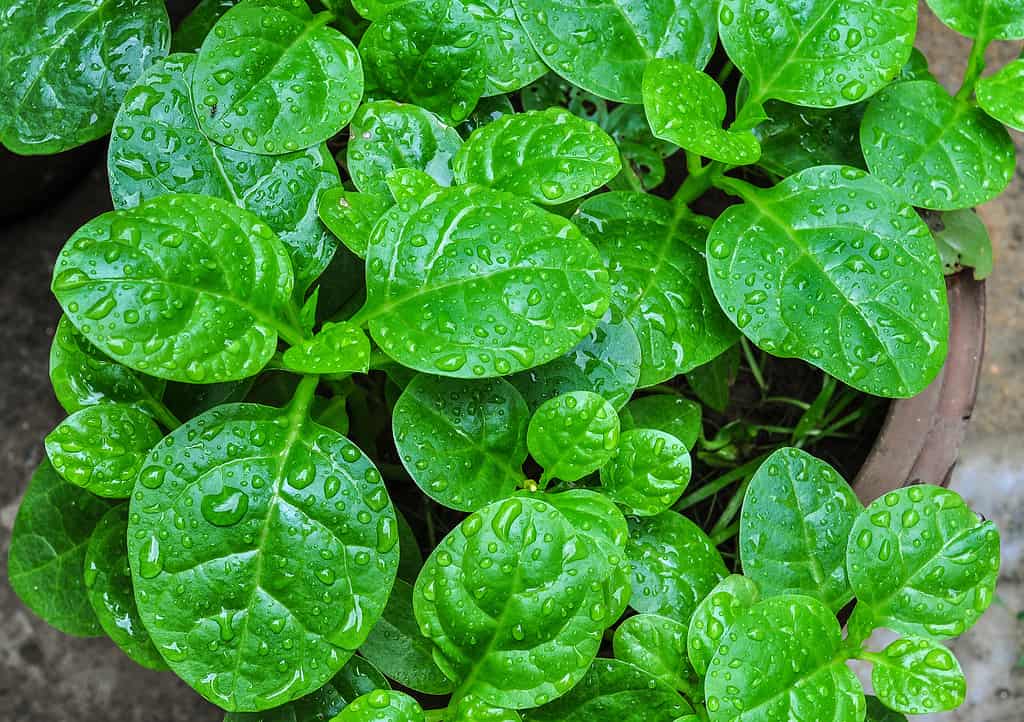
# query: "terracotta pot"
921,437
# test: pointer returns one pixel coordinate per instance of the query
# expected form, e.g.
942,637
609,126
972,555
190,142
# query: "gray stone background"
45,675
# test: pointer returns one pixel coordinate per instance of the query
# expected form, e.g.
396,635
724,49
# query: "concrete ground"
45,675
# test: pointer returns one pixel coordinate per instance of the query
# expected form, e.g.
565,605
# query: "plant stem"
163,414
732,509
726,72
720,483
736,187
975,65
725,534
303,398
755,367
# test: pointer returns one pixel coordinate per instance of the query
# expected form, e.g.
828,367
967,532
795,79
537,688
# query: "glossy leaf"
336,348
716,613
820,53
108,583
524,284
607,362
922,562
878,712
67,65
471,709
462,441
712,382
674,565
665,412
273,78
604,46
686,107
782,657
351,216
1002,95
962,240
187,288
382,706
853,284
282,190
573,435
939,152
795,138
102,448
918,676
657,645
46,562
189,35
541,609
241,505
410,557
983,19
549,156
410,185
659,280
649,471
386,136
486,111
796,519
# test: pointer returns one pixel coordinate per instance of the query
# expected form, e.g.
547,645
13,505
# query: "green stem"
697,183
726,72
755,367
720,483
303,398
725,534
732,509
975,66
736,187
164,415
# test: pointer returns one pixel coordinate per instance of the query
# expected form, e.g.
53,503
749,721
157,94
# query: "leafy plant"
428,337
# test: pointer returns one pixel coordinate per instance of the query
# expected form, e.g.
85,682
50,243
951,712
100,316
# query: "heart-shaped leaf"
666,412
382,705
657,645
918,676
649,471
573,435
1002,95
337,348
715,614
985,20
351,216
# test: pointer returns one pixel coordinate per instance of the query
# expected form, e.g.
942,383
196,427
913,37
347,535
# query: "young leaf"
471,709
398,648
272,78
573,435
962,241
189,35
47,557
782,657
541,612
216,512
796,519
820,53
795,138
68,65
604,46
549,156
101,448
985,20
687,107
282,190
606,362
674,565
108,583
832,267
525,285
712,382
614,690
411,186
337,348
1002,95
351,216
939,152
657,645
716,613
666,412
649,471
922,562
382,706
385,136
659,280
878,712
187,288
462,441
918,676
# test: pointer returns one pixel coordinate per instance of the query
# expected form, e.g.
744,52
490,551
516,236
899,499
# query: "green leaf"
922,562
382,706
674,564
657,645
794,138
917,676
337,348
665,412
411,186
471,709
189,35
1002,95
514,586
524,284
878,712
108,585
487,111
573,435
410,558
962,241
985,20
67,65
628,124
549,156
351,216
614,690
256,75
46,562
604,46
687,107
101,448
649,471
187,288
462,441
83,376
282,190
796,519
712,382
240,506
715,615
939,152
607,362
782,657
819,53
398,648
853,284
386,136
659,280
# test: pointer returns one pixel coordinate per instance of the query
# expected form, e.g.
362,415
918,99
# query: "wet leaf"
336,348
918,676
573,435
795,138
351,216
715,615
657,645
962,240
189,35
649,471
382,706
878,712
666,412
1002,95
712,382
983,19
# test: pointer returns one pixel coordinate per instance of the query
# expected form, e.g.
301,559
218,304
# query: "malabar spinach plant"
474,281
